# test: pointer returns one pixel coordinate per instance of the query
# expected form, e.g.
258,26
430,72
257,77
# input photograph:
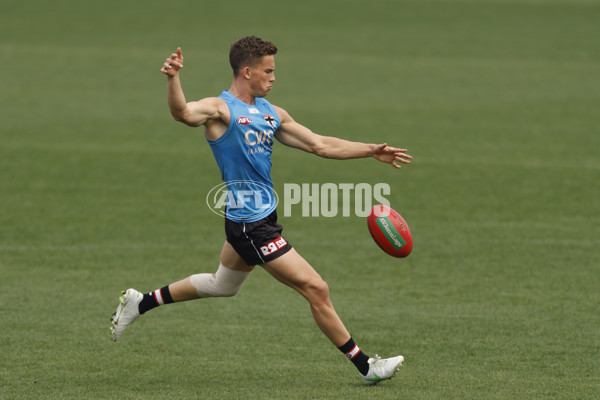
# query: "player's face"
262,76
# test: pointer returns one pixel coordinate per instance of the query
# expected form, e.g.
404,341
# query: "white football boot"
126,313
382,368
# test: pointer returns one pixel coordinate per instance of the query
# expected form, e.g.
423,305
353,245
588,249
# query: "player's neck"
241,93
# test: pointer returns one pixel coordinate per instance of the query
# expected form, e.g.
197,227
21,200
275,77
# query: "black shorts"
257,242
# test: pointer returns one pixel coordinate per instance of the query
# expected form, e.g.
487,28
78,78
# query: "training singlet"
243,154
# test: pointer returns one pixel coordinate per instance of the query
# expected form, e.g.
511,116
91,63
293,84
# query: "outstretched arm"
293,134
194,113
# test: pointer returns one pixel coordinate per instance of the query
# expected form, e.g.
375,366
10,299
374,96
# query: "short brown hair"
248,50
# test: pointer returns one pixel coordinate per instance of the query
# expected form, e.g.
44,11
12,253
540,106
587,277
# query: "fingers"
401,155
176,59
391,155
387,149
398,153
400,160
170,67
405,158
394,150
173,63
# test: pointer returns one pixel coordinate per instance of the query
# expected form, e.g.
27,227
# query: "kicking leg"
294,271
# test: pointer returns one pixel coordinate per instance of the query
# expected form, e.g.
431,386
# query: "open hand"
391,155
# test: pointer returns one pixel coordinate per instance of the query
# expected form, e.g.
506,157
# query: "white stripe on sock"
352,353
158,297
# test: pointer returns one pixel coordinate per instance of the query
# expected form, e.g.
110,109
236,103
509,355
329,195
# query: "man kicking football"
240,126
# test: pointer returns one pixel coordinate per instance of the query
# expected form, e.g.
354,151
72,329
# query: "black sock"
354,354
154,299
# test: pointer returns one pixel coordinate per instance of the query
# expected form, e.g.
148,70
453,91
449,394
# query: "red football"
390,231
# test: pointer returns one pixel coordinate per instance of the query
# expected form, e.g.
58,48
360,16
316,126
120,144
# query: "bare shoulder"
217,118
216,101
206,110
283,115
216,105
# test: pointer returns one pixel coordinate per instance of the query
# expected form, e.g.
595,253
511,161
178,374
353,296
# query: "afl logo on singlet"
243,120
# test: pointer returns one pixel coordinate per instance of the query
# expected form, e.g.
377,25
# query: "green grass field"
497,100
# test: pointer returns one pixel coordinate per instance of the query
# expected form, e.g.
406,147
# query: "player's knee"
209,285
229,281
224,283
228,289
318,291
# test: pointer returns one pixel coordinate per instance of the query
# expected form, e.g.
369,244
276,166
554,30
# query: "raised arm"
194,113
293,134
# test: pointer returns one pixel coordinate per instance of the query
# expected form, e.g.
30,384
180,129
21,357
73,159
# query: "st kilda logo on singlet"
270,120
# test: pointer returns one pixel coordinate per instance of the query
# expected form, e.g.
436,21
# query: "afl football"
390,231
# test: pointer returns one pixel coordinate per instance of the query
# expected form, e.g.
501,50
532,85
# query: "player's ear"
246,72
